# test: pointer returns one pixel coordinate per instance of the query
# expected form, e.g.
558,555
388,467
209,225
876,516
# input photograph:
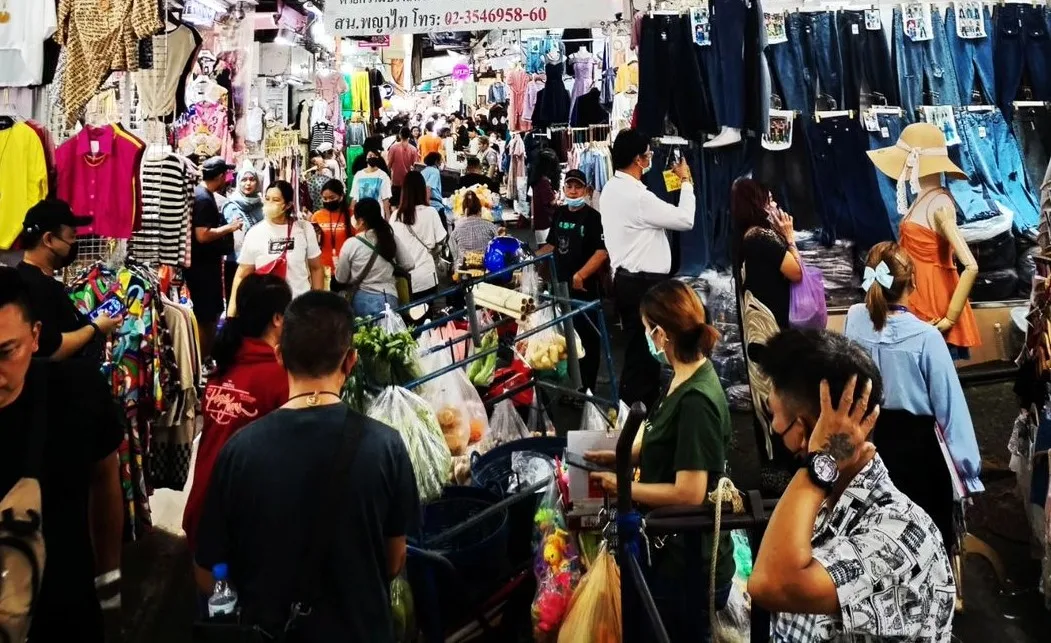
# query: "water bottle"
223,601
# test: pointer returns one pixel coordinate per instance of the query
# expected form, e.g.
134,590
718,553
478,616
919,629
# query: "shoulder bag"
279,267
354,286
443,263
22,547
309,584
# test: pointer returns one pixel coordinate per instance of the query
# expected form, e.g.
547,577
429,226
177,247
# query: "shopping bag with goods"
545,350
556,565
412,417
461,413
594,611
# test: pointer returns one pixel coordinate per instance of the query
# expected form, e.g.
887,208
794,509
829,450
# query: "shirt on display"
636,223
158,86
371,184
266,242
23,178
167,203
98,175
22,35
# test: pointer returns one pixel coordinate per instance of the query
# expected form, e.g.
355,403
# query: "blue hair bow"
881,275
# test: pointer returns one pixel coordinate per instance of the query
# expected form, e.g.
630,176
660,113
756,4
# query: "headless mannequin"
935,210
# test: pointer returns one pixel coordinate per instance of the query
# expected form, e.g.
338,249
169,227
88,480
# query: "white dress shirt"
636,222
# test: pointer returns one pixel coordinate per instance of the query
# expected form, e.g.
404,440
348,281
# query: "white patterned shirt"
888,563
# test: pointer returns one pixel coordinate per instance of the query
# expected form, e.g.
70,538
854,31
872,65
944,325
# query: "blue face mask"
657,354
576,203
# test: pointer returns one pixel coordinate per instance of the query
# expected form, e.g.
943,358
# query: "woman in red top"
248,382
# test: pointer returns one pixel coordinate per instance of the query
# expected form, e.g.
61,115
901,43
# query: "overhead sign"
369,17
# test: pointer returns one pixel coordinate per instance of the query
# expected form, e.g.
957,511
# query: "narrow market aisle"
159,595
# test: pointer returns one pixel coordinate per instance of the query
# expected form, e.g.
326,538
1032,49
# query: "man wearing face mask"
50,240
580,257
636,224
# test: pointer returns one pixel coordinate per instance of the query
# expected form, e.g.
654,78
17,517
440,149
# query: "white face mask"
647,168
272,210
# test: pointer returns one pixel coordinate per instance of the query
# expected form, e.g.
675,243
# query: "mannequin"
584,65
928,232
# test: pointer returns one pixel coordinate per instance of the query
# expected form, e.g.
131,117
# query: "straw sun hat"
920,151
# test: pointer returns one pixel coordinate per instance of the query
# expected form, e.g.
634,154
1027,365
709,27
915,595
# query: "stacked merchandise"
719,294
836,263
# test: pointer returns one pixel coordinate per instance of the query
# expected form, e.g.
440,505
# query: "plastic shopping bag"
556,565
403,611
505,425
461,414
595,417
545,350
412,417
806,305
594,611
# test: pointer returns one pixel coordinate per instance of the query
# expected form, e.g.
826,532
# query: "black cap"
216,166
576,175
49,215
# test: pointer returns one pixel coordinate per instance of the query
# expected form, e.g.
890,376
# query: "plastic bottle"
223,601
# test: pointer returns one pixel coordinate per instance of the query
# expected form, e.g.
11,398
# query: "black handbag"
318,546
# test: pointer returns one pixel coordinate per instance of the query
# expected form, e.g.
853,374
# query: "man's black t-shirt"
471,180
83,427
52,307
262,506
205,274
576,237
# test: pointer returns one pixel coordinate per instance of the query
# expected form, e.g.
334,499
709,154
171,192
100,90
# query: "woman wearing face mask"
334,219
281,244
372,183
365,267
580,259
681,457
244,205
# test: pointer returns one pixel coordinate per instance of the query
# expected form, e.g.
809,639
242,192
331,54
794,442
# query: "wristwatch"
98,331
823,469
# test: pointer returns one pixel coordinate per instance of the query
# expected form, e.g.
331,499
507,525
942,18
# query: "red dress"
253,387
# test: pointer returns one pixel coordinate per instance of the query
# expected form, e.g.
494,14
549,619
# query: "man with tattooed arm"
847,556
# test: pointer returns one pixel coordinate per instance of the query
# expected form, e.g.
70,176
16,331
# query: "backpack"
22,553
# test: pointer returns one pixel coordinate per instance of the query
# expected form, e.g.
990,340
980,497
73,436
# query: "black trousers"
591,341
866,61
640,376
670,80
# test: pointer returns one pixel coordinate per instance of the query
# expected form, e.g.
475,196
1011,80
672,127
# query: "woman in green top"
681,457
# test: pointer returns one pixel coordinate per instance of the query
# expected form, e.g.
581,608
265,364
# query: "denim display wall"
674,91
808,64
926,74
866,62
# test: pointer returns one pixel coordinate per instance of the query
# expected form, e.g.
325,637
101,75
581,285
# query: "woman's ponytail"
877,305
887,259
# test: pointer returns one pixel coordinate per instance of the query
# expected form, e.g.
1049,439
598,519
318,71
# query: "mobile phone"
112,307
578,461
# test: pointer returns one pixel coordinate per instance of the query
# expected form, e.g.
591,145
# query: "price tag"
884,132
672,182
854,29
870,121
981,132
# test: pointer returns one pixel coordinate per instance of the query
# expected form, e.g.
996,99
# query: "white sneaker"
728,136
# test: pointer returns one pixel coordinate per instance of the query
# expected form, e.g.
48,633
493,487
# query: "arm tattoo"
839,447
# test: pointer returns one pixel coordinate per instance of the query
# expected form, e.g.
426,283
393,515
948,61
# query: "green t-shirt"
690,431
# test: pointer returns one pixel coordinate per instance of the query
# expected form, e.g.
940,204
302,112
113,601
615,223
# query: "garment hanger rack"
833,114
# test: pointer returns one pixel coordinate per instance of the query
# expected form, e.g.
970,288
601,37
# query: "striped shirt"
166,207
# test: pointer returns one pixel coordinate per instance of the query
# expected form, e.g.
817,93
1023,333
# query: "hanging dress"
583,79
936,281
554,104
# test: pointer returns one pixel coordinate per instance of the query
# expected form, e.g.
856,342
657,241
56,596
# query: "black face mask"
70,257
331,206
373,162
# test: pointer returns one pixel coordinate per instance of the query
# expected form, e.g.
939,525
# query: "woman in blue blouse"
922,392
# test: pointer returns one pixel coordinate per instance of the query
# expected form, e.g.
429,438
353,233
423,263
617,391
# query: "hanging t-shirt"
22,38
265,242
158,86
371,184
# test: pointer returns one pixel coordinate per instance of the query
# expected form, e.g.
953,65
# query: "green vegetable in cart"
481,371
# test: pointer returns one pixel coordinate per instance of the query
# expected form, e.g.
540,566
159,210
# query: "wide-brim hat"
920,144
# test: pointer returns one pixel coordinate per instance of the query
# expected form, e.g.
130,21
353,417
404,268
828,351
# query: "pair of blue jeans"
997,160
974,201
724,62
866,62
845,183
890,126
368,304
973,60
671,84
928,60
1022,44
808,65
1032,129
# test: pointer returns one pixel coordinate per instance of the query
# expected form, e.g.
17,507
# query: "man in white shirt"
636,223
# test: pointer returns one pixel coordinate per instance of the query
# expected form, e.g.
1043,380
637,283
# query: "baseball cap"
215,166
49,215
578,176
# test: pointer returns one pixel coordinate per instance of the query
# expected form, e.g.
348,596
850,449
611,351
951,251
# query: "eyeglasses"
782,434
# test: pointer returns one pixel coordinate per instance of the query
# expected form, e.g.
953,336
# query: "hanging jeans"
845,184
722,166
890,126
1032,129
1022,44
866,62
973,59
670,81
787,174
997,160
724,62
925,60
974,199
808,65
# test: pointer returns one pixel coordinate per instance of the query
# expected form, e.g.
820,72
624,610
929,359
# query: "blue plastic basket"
483,546
493,470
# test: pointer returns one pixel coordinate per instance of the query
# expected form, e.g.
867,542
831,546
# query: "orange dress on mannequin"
936,281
